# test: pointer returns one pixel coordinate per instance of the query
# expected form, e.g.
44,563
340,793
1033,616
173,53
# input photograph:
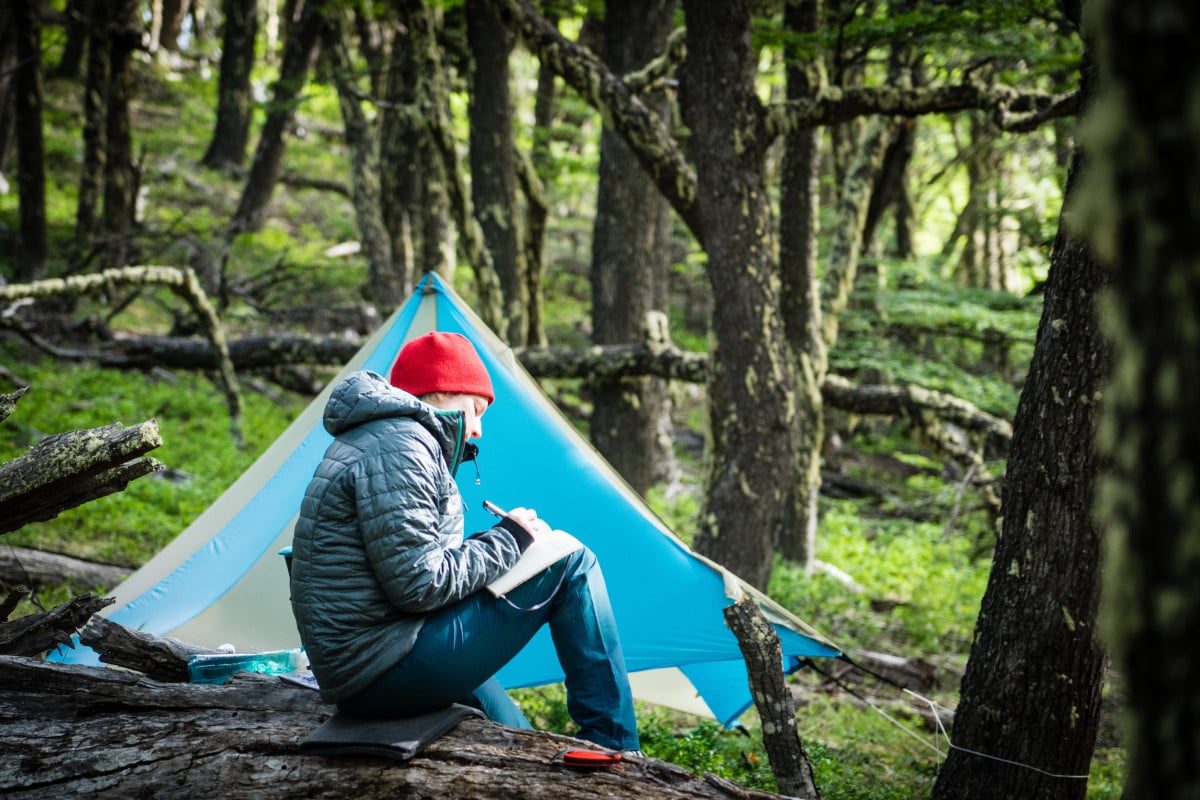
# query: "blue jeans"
461,646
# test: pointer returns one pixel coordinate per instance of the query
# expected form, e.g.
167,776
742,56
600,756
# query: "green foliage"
857,754
930,583
545,707
701,746
199,451
679,511
697,745
1106,777
970,343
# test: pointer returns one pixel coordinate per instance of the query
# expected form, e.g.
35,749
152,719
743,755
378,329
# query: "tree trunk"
95,127
890,190
8,94
535,202
978,263
846,247
38,568
435,110
119,179
493,165
268,155
1142,218
1030,700
751,393
78,20
171,24
631,422
799,203
759,643
234,103
31,167
401,133
384,284
66,470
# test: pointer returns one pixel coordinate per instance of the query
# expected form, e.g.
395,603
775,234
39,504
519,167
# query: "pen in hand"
525,517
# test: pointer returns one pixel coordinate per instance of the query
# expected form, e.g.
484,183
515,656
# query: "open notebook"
545,550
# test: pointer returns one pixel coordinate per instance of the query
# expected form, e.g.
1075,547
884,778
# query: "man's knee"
583,560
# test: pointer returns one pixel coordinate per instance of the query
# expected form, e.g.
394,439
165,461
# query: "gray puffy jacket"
379,543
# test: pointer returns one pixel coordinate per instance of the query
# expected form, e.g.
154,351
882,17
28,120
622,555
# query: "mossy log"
8,402
181,281
597,362
68,469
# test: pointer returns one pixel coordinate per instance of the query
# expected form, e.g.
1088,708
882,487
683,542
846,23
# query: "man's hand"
529,520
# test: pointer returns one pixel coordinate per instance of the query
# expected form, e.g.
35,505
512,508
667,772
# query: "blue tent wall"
668,601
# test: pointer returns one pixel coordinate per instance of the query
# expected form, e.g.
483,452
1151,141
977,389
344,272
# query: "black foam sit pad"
399,739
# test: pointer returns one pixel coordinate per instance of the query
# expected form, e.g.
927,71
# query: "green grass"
199,450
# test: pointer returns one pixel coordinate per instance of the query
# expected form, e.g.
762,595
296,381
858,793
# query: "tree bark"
1139,217
302,36
76,731
980,263
384,283
37,633
401,138
171,23
227,148
537,206
631,423
31,167
799,203
182,282
95,126
120,190
433,109
8,94
855,195
1030,699
493,163
77,19
759,643
751,390
646,133
8,402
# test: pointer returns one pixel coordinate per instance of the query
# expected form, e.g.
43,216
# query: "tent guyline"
933,707
222,579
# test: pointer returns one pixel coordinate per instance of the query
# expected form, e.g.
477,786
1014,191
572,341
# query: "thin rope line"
846,688
953,746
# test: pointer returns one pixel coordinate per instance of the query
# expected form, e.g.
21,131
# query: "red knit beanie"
441,362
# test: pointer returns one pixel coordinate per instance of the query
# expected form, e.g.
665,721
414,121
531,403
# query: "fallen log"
34,568
38,633
69,469
78,731
160,657
8,402
596,362
182,282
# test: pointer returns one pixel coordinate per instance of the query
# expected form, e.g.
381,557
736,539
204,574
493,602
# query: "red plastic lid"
590,758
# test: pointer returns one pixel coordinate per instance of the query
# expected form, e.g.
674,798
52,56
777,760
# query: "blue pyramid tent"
222,580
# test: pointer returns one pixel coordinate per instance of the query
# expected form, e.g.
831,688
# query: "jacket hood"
367,396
